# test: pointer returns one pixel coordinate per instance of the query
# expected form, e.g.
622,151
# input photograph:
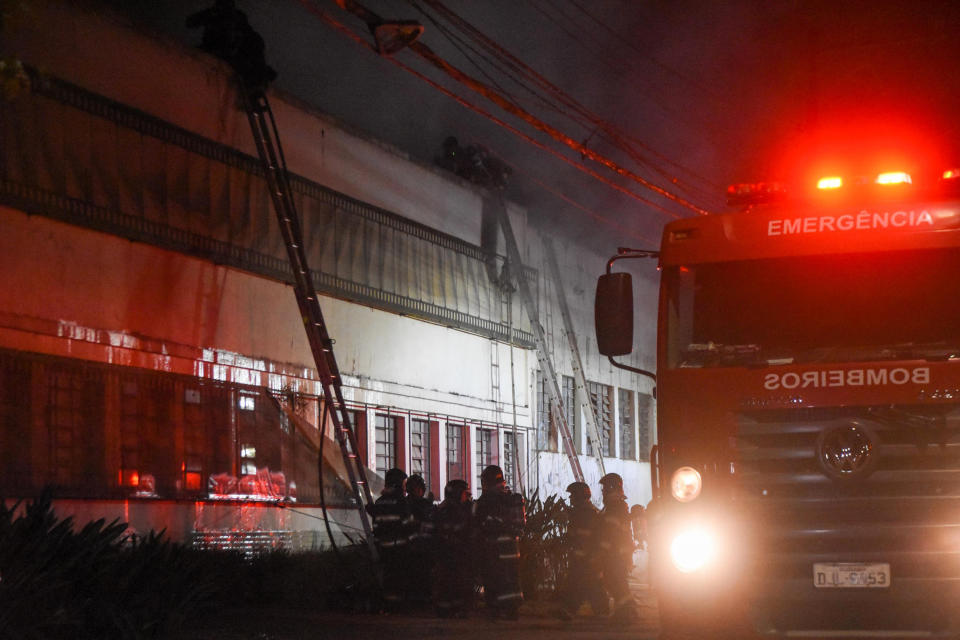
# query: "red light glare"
861,144
193,480
830,182
951,174
894,177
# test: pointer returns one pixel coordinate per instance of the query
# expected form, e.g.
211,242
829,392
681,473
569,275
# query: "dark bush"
543,556
58,582
95,582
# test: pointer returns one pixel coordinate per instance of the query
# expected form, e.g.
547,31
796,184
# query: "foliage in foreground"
60,581
57,581
543,556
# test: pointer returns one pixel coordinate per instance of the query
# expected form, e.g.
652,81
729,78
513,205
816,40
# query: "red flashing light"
830,182
951,174
894,177
129,478
193,480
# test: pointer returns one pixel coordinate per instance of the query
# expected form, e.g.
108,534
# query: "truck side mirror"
613,314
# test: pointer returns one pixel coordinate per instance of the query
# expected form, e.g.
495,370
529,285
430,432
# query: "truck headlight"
692,550
685,484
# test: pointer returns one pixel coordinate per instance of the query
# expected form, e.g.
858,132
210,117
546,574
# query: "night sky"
700,94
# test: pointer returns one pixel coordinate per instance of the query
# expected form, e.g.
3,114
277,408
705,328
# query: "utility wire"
478,87
504,67
583,114
604,57
626,231
690,81
333,22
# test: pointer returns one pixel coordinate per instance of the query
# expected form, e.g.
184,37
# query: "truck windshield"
827,308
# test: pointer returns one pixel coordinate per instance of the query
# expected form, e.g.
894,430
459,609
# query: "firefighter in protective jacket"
499,517
392,526
616,546
420,547
583,582
453,532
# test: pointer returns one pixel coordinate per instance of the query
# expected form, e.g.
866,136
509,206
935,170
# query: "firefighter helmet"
612,482
394,478
579,490
415,484
455,489
491,476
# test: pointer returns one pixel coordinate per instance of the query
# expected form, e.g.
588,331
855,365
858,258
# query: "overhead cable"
583,115
336,24
478,87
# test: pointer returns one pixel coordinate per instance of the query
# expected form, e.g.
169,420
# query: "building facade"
153,364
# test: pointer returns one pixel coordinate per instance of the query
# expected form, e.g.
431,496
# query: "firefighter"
499,517
583,582
454,568
227,34
420,551
616,546
392,525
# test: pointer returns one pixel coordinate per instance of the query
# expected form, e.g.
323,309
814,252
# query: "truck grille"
901,505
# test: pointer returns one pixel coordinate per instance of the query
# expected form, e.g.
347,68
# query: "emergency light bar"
754,193
830,182
894,177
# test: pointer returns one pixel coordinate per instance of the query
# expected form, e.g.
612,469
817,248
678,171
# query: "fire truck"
806,475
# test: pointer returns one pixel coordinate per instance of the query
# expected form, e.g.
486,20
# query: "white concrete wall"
389,359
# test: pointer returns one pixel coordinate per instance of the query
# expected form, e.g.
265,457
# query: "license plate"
851,575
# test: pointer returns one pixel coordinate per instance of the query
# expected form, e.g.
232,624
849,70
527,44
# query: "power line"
643,54
478,87
604,57
628,232
331,21
583,114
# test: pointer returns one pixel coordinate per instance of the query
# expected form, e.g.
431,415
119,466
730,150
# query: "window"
106,431
645,423
194,440
386,441
601,397
627,441
546,424
259,424
509,452
147,463
455,461
568,395
486,445
16,436
420,449
75,421
358,422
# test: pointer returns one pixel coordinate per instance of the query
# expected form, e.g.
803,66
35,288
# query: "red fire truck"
806,476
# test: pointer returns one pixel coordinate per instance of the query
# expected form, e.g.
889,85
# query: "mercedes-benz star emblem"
847,452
